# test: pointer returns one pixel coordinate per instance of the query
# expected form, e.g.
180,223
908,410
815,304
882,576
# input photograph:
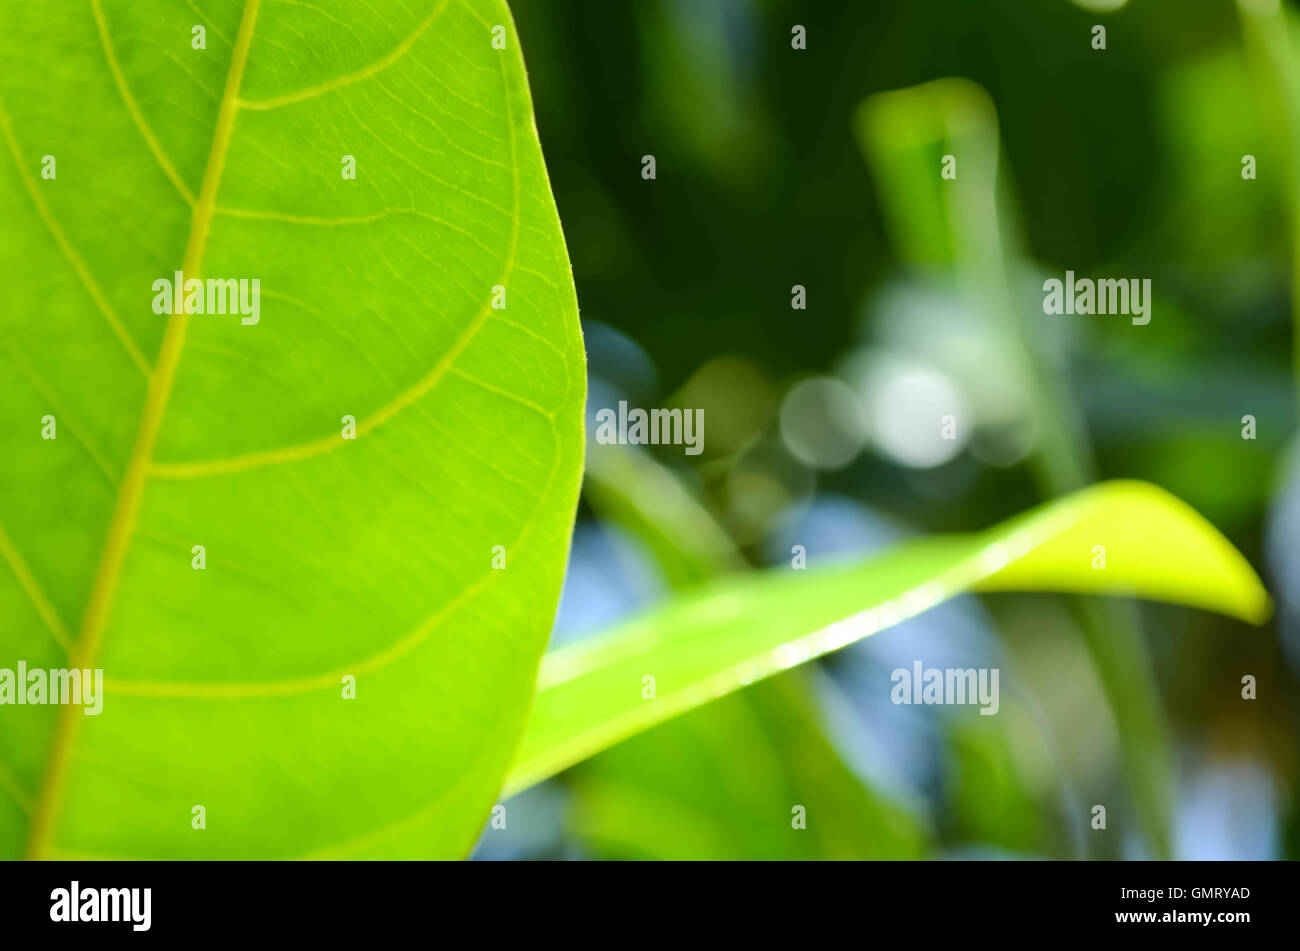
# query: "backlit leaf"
326,558
719,638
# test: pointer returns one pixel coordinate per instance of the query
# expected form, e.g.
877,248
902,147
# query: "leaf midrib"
126,509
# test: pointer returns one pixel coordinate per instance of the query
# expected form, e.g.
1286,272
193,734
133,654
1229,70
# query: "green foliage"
707,643
326,558
723,783
330,563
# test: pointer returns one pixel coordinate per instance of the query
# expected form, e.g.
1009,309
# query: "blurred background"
820,167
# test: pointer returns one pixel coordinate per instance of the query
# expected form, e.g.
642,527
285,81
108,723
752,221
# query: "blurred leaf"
708,643
1203,197
722,783
898,132
988,801
1270,48
624,484
325,558
903,134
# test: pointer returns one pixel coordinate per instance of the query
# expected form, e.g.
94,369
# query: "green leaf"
964,223
721,783
326,558
625,485
988,803
1269,35
710,642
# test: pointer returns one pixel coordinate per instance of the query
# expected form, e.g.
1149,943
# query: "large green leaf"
710,642
325,557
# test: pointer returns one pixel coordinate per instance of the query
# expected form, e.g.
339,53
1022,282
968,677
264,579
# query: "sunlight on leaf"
325,558
710,642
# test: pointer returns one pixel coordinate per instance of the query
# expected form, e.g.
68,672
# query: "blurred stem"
1110,629
959,115
1062,458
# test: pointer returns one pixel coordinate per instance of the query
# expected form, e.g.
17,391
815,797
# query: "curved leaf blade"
715,640
326,557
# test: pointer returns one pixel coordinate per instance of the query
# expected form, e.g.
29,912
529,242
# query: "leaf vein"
122,525
69,252
133,108
32,588
340,81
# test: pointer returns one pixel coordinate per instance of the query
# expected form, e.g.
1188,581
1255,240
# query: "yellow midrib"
122,525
